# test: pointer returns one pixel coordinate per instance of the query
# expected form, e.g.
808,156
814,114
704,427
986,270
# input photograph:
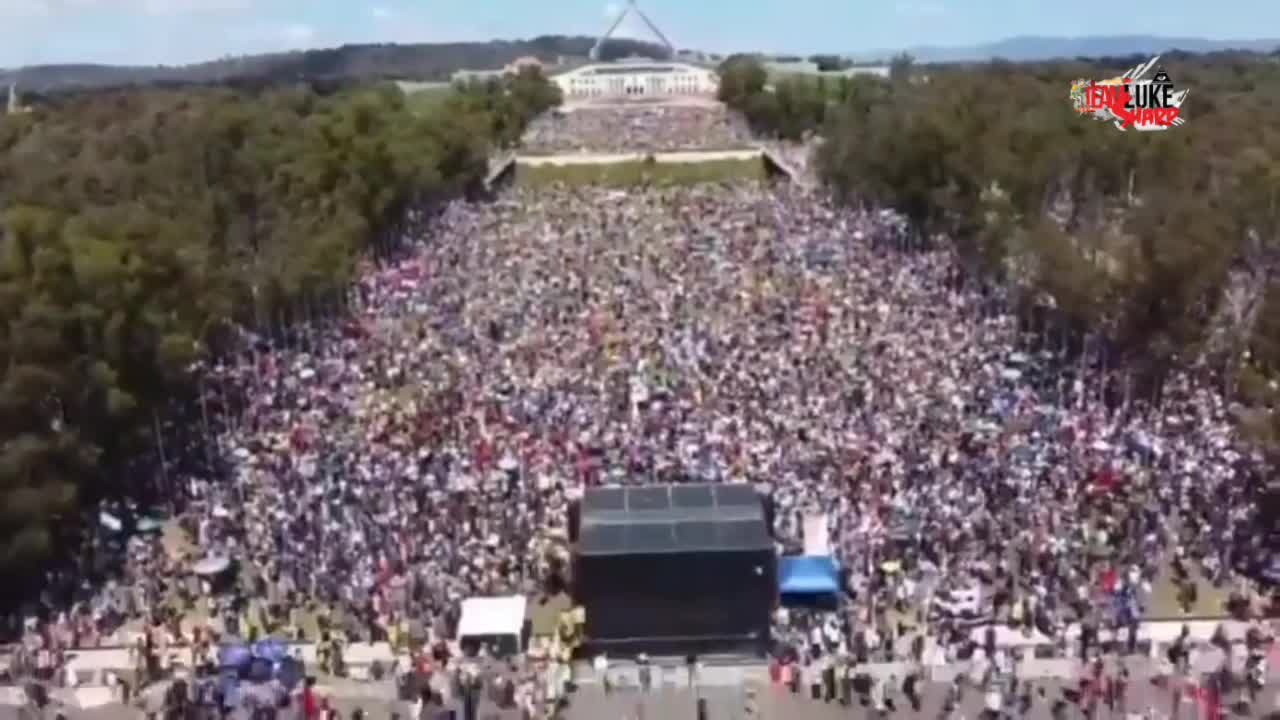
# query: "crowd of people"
641,128
424,447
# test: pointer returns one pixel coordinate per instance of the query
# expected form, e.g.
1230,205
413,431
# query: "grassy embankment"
639,172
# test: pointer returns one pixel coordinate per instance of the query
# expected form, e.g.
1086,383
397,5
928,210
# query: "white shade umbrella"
110,522
211,565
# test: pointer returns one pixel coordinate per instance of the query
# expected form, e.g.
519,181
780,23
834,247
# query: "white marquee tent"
499,620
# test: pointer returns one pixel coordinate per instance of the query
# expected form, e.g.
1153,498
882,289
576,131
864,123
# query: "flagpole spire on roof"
631,7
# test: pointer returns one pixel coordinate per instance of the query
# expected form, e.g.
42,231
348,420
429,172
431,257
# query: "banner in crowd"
816,535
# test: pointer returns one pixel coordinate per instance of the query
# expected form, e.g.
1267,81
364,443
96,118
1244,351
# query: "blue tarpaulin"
290,673
270,649
808,575
234,655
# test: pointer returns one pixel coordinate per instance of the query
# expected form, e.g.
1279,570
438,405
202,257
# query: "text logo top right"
1132,100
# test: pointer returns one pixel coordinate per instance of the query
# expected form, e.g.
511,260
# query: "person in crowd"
645,672
420,440
633,128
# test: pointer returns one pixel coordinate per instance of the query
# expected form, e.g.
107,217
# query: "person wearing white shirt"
877,695
601,666
994,700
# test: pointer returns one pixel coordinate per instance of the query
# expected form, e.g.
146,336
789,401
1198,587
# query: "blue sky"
180,31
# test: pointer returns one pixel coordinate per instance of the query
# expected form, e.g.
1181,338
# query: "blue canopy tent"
271,649
234,655
290,673
808,575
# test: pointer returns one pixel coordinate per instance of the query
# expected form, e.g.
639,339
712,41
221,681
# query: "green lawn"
422,99
637,172
831,82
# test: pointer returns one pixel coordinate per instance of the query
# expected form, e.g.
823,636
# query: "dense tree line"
791,105
509,103
1165,246
787,108
387,61
830,63
139,229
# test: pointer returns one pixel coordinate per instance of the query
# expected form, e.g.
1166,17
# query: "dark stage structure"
674,569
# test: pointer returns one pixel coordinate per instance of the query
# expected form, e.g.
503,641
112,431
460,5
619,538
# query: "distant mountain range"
422,62
438,61
1031,48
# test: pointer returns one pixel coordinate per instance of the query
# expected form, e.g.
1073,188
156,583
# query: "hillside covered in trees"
1162,247
138,229
141,227
424,61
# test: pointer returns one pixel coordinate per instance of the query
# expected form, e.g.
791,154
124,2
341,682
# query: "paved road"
769,703
729,689
729,692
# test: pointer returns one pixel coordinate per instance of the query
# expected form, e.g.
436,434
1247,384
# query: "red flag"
1104,480
1109,579
483,455
1210,701
299,438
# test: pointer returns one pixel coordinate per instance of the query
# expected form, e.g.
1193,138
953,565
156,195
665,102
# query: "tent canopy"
808,575
234,654
492,616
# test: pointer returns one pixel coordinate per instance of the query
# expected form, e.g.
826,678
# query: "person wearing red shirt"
310,708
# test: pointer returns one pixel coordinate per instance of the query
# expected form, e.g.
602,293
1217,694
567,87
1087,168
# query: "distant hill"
1030,48
421,62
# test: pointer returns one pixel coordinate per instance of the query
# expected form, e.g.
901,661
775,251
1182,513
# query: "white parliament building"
634,78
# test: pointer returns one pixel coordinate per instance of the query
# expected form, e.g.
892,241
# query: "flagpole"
1106,381
253,341
1084,365
164,463
283,328
204,415
306,321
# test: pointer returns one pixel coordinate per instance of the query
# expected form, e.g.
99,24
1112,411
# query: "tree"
741,77
830,63
140,226
900,67
1152,240
789,109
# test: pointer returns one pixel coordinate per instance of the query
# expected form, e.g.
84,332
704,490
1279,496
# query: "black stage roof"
672,519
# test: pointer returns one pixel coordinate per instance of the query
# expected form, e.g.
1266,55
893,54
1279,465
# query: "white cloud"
611,10
299,33
63,9
920,8
175,7
22,8
381,13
